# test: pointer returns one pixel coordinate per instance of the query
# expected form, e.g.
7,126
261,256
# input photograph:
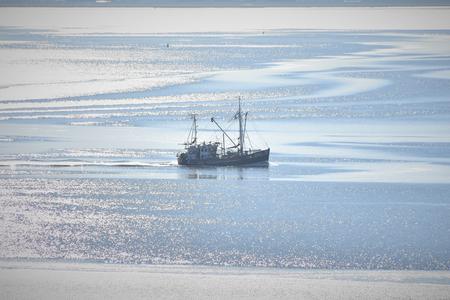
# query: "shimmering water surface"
357,122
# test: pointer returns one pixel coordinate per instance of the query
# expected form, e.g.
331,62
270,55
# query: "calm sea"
358,123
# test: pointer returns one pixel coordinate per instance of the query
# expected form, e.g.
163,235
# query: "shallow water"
357,122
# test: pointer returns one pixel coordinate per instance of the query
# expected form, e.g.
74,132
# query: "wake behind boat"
206,154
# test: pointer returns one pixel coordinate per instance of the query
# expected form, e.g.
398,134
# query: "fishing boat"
235,153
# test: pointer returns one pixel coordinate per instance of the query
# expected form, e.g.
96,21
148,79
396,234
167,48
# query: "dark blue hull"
257,157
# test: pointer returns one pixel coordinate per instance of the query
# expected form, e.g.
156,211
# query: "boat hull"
253,158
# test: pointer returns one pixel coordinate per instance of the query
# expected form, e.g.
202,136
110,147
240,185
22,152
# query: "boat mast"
241,134
224,148
195,129
192,137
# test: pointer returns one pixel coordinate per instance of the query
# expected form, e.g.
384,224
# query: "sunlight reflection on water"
357,124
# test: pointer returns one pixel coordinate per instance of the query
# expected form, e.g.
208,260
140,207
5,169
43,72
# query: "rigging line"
215,133
229,124
260,137
192,135
188,138
249,141
226,134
